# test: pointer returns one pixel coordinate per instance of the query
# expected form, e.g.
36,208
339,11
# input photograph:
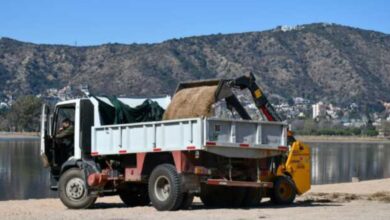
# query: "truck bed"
230,138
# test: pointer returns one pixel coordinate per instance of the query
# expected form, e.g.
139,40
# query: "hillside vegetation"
333,63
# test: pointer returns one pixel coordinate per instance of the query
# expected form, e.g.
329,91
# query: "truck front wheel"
188,198
284,191
72,190
164,188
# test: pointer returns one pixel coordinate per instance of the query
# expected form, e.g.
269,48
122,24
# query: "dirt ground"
362,200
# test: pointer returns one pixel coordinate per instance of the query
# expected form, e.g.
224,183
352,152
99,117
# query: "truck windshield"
64,113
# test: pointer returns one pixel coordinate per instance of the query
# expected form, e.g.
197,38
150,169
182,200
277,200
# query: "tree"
385,127
3,123
24,114
309,126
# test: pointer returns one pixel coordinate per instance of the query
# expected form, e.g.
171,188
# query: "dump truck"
227,162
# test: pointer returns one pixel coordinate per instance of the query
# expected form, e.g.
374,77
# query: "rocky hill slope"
326,62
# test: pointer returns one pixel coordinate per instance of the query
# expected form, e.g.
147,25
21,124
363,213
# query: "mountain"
328,62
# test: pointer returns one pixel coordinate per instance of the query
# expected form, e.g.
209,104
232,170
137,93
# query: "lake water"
340,162
22,175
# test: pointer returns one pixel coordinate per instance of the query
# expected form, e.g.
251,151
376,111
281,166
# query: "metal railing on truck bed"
232,138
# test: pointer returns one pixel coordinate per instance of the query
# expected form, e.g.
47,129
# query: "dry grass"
345,197
191,102
331,197
380,196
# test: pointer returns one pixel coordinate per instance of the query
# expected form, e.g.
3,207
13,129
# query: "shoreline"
342,139
18,135
304,138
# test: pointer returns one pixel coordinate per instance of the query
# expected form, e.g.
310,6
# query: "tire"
134,195
252,197
206,196
72,190
222,196
165,188
188,198
284,191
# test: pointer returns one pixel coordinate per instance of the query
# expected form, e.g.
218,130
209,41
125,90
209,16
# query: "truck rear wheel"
252,197
165,188
284,191
134,195
72,190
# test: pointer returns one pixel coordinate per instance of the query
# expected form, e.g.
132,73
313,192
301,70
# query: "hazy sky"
90,22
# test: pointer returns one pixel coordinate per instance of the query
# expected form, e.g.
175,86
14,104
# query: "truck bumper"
223,182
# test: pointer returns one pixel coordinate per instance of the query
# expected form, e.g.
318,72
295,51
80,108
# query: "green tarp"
121,113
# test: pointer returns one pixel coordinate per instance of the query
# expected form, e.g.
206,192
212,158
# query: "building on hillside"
333,111
300,101
3,105
84,88
319,109
301,115
386,105
65,93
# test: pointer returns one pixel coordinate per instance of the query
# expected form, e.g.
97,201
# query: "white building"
300,101
3,105
319,109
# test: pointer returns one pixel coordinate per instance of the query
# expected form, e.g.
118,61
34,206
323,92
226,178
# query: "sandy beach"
361,200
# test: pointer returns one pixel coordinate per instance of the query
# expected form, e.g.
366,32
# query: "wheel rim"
75,189
162,188
285,190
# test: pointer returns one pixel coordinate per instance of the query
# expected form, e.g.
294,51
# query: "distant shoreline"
304,138
342,139
18,135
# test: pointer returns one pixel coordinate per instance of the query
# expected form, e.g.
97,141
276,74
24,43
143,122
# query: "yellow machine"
297,166
293,176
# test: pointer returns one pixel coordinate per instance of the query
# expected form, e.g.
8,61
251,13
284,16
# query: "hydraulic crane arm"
261,101
224,91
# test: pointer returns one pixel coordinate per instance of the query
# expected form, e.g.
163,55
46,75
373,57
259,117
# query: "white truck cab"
84,113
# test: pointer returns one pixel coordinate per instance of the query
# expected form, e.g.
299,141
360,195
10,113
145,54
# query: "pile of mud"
191,102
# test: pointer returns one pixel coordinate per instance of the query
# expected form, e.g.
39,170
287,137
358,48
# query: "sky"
93,22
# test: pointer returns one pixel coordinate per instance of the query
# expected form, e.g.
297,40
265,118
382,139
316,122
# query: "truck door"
45,136
86,123
63,134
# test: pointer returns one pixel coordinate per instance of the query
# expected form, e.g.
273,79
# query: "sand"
191,102
328,202
359,188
